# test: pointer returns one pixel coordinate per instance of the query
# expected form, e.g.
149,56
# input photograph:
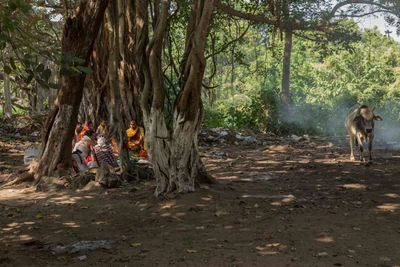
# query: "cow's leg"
360,145
352,148
370,160
356,142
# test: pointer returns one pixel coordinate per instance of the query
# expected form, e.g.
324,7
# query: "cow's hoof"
352,159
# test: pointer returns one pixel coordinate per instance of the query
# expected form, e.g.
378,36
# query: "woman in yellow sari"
135,137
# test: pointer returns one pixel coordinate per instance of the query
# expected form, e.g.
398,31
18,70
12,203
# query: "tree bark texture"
78,38
285,95
174,153
7,91
117,81
7,96
96,101
96,95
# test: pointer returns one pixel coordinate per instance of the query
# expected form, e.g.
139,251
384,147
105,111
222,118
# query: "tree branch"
388,9
228,43
12,78
291,25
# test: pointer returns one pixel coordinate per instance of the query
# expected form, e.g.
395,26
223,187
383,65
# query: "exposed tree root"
25,176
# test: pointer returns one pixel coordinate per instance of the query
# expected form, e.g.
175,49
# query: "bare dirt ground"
281,202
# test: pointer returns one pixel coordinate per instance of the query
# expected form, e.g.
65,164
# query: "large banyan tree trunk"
96,103
174,154
117,81
78,38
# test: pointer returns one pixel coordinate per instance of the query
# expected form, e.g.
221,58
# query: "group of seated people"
91,148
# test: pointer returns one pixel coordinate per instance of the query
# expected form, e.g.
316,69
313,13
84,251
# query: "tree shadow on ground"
284,203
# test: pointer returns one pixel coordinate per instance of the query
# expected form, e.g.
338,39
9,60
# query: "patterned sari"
134,136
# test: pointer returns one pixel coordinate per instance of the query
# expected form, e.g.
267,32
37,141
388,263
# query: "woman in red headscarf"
88,126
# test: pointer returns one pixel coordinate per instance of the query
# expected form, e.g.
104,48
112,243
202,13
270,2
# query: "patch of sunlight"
16,237
355,186
276,203
389,207
212,167
228,227
246,179
206,198
279,245
66,199
25,237
228,177
14,225
201,205
265,162
271,249
100,222
259,168
325,239
55,216
168,205
21,194
287,200
200,228
392,195
143,205
303,161
71,225
167,214
180,214
264,253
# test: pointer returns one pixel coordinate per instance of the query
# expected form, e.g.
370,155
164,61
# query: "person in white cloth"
102,152
80,152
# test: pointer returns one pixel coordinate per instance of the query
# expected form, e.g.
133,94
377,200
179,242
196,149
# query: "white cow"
360,125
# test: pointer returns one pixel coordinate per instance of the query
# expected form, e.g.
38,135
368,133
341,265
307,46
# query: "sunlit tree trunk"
285,96
53,79
7,96
78,38
174,153
7,92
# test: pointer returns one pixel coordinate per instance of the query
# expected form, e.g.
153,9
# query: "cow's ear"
357,118
378,118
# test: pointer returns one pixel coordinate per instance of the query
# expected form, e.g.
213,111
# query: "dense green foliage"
323,85
244,66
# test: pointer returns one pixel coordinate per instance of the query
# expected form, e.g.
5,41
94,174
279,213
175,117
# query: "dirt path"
281,203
